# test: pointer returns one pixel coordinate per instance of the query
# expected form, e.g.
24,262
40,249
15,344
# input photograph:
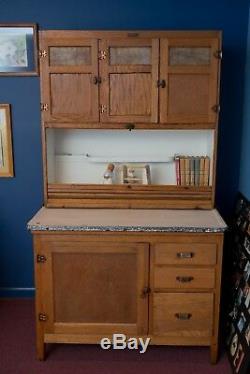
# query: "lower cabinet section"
162,285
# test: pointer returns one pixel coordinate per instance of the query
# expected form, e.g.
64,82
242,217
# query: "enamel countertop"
164,220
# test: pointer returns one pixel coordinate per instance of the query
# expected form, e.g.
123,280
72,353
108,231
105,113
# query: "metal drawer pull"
185,254
183,316
184,279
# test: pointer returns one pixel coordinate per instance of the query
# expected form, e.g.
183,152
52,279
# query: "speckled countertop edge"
125,228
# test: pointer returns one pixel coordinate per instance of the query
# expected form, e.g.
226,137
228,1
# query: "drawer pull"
185,254
183,316
184,279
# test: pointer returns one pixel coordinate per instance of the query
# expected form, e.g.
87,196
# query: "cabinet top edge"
141,33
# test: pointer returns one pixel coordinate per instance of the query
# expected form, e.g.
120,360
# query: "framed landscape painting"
18,49
6,157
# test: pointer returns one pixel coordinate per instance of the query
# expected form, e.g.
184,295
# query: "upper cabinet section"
130,79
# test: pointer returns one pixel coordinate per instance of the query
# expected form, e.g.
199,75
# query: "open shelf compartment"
76,161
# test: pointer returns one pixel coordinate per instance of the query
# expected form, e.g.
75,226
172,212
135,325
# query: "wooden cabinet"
125,78
151,95
92,282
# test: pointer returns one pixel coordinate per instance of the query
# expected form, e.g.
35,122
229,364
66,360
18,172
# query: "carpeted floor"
17,352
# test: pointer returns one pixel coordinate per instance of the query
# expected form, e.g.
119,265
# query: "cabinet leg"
214,353
40,349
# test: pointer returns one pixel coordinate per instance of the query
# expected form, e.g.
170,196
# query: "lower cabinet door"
94,288
182,314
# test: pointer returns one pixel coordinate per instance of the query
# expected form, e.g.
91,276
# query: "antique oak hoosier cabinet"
129,240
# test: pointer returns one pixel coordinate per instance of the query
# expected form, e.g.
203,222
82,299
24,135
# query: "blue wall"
244,186
21,196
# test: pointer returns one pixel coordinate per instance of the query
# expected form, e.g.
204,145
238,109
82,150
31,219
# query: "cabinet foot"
40,350
214,354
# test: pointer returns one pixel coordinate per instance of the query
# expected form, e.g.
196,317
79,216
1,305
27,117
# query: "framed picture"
18,49
135,174
6,158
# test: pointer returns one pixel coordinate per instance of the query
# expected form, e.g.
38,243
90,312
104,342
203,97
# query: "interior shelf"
117,159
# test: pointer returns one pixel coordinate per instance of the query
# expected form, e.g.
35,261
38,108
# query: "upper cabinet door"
69,77
129,71
189,70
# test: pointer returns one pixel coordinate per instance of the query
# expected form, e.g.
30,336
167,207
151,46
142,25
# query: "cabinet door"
94,288
129,71
189,69
69,78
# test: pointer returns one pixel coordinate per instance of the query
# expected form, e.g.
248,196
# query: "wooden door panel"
130,94
190,68
68,85
188,96
87,281
129,72
71,95
93,287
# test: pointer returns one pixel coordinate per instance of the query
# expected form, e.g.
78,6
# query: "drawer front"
182,314
185,254
183,278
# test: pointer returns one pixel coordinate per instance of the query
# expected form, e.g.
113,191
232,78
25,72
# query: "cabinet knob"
184,279
185,254
161,83
216,108
145,292
130,126
97,80
183,316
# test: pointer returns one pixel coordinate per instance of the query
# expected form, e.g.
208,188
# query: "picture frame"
6,155
135,174
18,50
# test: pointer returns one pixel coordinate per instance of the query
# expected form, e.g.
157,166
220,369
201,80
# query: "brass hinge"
103,108
218,54
42,317
216,108
102,55
41,258
43,53
44,107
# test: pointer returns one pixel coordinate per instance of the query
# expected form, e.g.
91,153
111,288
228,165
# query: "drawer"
183,277
182,314
185,253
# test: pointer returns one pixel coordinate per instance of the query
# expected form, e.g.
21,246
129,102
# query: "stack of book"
192,170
